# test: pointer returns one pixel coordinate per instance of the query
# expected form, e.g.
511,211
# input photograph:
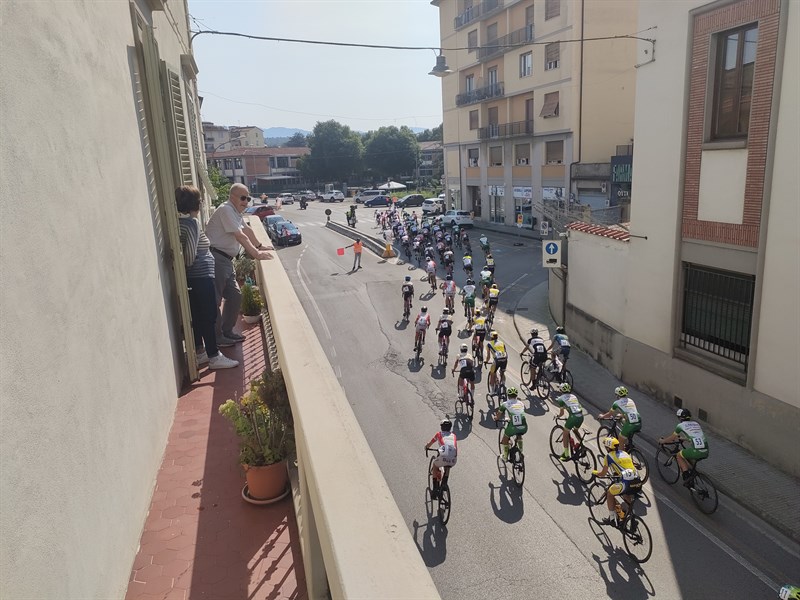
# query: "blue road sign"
551,248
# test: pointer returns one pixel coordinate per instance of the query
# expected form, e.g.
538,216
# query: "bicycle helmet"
477,312
621,391
565,387
464,348
470,282
611,443
494,335
684,414
559,330
494,286
446,424
449,278
511,392
424,309
408,277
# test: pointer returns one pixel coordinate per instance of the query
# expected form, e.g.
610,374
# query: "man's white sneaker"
220,361
202,359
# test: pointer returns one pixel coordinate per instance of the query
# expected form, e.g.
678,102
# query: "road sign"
519,220
544,228
551,253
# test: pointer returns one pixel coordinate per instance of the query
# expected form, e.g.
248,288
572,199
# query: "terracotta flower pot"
266,483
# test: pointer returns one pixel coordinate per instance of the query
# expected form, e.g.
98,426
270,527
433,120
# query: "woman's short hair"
187,199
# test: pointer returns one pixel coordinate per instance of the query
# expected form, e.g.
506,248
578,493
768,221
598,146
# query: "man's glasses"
244,198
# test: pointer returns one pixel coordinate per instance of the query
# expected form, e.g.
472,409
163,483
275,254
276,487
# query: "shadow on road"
415,366
623,577
507,503
570,489
401,325
433,543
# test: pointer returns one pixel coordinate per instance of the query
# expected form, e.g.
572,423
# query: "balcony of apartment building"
505,130
474,12
498,46
487,92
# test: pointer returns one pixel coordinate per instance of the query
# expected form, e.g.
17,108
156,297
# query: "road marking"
338,370
333,351
515,282
313,302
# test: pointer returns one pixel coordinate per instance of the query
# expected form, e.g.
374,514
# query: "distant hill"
284,132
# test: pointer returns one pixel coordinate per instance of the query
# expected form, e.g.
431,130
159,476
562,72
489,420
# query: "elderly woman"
200,278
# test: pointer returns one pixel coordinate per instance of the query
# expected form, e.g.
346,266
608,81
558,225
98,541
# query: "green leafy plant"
251,300
262,419
222,185
245,268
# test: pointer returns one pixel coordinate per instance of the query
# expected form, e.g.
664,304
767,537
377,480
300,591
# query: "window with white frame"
552,56
526,64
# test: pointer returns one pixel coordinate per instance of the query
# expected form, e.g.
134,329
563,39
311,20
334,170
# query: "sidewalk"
200,539
753,483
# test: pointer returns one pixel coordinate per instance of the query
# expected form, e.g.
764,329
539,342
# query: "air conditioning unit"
522,161
553,64
473,162
553,162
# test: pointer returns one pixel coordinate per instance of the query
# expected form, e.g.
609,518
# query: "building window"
492,117
733,82
472,40
717,312
491,33
496,156
523,154
473,154
469,83
526,64
492,77
497,209
552,8
552,56
473,119
554,152
550,106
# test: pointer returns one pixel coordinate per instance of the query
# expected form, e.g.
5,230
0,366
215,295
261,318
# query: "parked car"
333,196
410,200
432,206
260,211
307,195
365,195
378,201
286,198
269,223
462,218
285,233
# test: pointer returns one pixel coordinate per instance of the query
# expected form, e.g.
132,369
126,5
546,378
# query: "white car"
308,195
286,198
462,218
432,206
333,196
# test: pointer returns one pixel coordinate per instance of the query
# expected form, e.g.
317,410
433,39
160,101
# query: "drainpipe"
580,106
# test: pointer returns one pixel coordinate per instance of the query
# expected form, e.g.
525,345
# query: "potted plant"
245,269
251,303
262,419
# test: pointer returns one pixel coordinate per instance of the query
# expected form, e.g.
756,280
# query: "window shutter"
182,160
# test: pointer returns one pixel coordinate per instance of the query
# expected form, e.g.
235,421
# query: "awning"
392,185
550,108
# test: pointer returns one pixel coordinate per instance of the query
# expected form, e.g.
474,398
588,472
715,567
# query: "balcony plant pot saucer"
266,484
250,319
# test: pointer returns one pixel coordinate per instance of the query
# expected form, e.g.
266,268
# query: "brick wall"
706,25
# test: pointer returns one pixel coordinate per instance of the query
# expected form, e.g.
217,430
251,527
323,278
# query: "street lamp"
440,69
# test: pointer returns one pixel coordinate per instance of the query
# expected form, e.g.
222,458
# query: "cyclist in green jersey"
569,402
517,425
468,291
689,432
626,407
789,592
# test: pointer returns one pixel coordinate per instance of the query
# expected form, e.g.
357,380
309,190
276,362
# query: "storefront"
523,205
497,211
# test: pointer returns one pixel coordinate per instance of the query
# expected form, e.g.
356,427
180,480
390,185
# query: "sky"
286,84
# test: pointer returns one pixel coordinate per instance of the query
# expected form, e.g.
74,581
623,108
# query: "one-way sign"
551,253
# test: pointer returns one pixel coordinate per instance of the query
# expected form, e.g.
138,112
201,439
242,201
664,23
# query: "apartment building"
431,160
262,170
698,305
222,138
537,103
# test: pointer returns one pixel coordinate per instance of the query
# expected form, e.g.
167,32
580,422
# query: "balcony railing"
502,45
505,130
495,90
478,11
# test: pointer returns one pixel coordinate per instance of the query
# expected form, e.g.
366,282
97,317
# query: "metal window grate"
717,312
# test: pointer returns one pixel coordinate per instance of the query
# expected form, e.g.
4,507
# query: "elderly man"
228,233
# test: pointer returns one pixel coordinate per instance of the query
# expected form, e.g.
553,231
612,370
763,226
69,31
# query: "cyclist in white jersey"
448,453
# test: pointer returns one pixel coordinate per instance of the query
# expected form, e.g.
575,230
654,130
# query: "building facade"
431,161
262,170
709,277
537,103
220,138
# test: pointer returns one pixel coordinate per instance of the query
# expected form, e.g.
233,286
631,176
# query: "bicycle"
444,343
515,456
635,532
554,370
432,281
583,457
406,308
477,352
469,310
499,389
700,486
465,399
443,498
448,268
532,374
639,461
491,311
418,344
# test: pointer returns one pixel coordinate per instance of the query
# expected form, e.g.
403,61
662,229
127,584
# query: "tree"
335,153
221,184
298,140
391,152
431,135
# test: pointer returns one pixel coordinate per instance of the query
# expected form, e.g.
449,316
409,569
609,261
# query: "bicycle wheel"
430,475
636,537
568,378
556,441
470,405
704,494
500,432
518,469
445,503
585,463
603,433
596,499
667,465
640,462
459,408
525,374
542,385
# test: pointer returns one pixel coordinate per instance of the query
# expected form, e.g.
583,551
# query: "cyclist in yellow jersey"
479,327
626,479
494,297
495,349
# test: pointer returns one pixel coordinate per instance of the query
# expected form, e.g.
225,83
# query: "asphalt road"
536,542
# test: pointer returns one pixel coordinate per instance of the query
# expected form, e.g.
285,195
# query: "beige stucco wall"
722,177
88,373
776,370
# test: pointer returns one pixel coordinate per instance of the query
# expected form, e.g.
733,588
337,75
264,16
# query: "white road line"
338,370
333,351
313,302
515,282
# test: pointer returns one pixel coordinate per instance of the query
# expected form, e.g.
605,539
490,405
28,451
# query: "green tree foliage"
336,153
298,140
221,184
431,135
391,152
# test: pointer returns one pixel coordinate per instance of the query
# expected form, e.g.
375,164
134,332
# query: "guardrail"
354,540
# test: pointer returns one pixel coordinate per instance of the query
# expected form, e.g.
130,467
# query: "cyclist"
466,365
407,289
449,291
430,269
538,351
628,482
464,237
486,282
627,408
484,242
448,259
429,252
467,262
517,425
445,329
421,324
479,325
489,263
688,431
569,402
560,347
468,291
494,297
496,349
448,453
789,592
